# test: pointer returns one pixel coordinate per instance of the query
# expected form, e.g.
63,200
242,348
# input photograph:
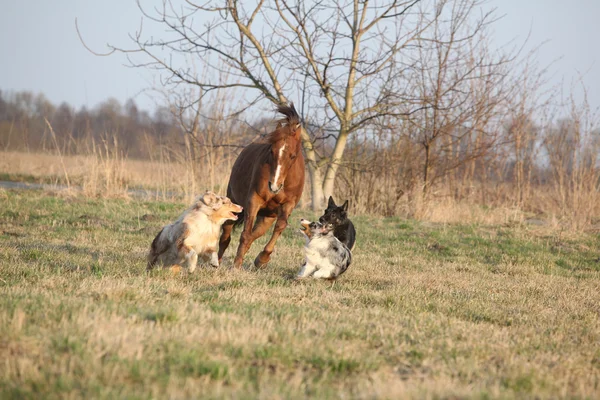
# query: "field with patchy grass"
425,311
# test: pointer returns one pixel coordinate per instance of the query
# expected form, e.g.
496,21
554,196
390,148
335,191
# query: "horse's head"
285,147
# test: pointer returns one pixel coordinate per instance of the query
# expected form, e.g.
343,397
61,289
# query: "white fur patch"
278,170
322,260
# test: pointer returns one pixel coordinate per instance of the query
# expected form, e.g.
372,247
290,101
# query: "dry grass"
427,310
105,172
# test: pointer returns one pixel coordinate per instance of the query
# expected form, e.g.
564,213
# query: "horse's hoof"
258,263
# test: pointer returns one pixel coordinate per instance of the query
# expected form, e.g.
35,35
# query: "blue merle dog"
326,256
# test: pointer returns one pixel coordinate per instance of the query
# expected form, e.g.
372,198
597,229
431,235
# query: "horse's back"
243,171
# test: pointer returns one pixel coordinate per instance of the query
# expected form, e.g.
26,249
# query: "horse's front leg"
247,238
282,221
225,239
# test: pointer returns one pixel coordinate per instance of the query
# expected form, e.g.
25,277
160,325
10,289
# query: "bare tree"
462,86
573,150
343,59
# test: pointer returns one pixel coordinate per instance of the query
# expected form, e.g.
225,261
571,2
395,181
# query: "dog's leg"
191,258
214,259
307,270
324,273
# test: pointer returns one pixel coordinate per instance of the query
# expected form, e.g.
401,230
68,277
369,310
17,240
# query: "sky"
40,50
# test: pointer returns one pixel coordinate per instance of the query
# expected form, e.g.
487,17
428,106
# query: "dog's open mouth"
233,216
304,224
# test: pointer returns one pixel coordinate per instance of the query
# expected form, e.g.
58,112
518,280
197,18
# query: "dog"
343,229
325,256
195,233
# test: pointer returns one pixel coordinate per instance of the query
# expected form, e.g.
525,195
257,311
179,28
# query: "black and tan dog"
343,229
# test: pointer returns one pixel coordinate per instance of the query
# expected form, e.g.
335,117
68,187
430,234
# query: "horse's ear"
295,130
331,203
279,125
345,206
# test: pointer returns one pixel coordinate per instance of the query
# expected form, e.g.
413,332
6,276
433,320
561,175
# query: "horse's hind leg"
225,238
282,221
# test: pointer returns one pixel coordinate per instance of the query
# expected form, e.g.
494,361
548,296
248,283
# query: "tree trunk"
316,188
426,172
336,158
316,181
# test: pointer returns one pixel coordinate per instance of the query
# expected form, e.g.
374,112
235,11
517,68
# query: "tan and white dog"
195,233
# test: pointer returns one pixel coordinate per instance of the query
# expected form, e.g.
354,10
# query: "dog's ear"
225,199
330,203
345,206
210,199
218,203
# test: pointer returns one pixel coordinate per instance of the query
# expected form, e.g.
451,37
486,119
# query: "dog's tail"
155,252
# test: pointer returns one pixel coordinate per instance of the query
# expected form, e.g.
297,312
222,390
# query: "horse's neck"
296,171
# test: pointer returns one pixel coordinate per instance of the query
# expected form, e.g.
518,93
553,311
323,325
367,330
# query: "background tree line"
23,126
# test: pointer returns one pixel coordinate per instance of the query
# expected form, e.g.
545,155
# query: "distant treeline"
23,125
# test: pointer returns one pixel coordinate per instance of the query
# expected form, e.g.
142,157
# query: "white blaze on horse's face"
279,160
274,185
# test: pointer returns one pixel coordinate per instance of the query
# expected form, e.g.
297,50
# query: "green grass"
425,311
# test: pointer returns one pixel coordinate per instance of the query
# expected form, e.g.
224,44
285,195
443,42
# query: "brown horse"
267,179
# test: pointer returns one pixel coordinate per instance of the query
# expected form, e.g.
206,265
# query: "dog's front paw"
176,269
214,260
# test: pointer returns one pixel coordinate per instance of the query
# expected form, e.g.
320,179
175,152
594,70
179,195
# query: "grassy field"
425,311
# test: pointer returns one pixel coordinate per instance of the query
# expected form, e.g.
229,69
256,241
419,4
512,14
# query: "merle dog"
325,256
338,217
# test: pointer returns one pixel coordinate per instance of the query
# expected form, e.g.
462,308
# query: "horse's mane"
291,118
